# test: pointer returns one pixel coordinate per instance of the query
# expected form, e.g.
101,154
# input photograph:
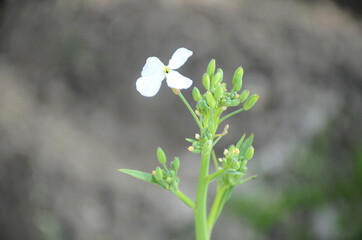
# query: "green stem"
185,199
191,110
231,114
214,212
215,174
201,195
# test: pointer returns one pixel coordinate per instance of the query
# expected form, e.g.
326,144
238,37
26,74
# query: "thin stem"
231,114
215,160
185,199
191,110
214,212
201,195
212,177
217,139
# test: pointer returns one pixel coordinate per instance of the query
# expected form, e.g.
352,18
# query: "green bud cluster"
235,160
167,178
216,99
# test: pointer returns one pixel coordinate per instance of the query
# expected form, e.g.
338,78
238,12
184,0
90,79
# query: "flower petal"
148,86
153,68
176,80
179,58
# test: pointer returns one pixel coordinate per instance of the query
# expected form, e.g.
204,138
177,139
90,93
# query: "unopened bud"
239,72
236,165
237,96
220,159
191,148
217,78
159,174
224,108
210,99
196,94
226,152
161,156
249,153
176,163
197,113
250,102
237,85
243,163
206,81
211,68
237,151
244,95
235,102
219,92
197,136
168,180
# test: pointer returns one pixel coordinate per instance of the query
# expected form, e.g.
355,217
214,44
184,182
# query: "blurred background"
70,116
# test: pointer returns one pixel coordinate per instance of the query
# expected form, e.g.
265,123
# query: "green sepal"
246,144
238,84
249,153
211,68
147,177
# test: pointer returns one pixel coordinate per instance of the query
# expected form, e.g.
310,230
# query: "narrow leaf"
147,177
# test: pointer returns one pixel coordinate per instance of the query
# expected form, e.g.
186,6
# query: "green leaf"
147,177
246,144
238,145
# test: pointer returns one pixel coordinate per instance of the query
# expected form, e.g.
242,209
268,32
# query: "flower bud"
249,153
235,102
217,78
161,156
237,85
211,68
243,163
244,95
238,74
197,136
191,148
196,94
219,92
206,81
250,102
176,163
226,151
159,174
236,165
210,99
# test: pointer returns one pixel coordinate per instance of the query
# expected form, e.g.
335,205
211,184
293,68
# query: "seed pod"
250,102
211,68
210,99
196,94
239,72
206,81
161,156
249,153
219,92
244,95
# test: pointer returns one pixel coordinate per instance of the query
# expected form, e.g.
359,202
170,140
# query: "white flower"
154,72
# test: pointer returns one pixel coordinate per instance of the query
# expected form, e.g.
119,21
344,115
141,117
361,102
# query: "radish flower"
154,72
